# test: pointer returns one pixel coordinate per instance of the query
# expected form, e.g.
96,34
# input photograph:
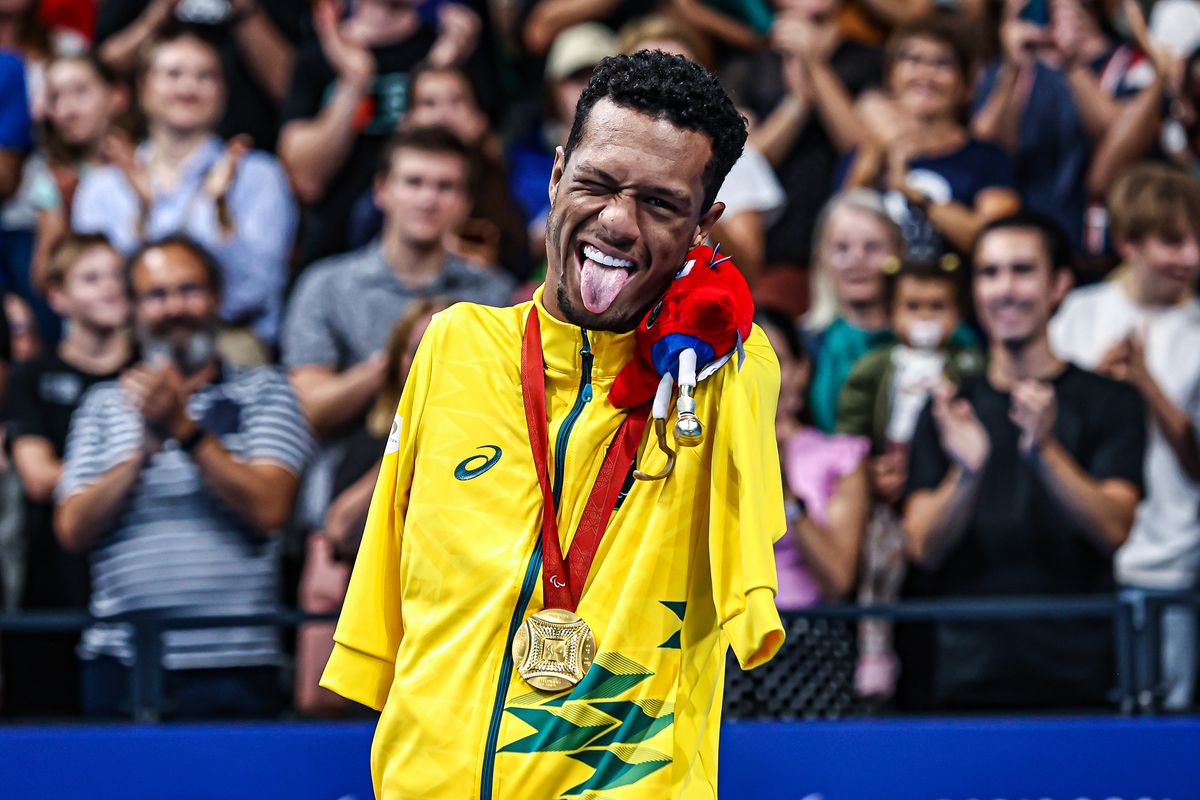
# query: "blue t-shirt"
16,126
1053,148
957,176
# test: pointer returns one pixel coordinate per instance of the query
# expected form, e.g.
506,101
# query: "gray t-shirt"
343,311
344,307
176,547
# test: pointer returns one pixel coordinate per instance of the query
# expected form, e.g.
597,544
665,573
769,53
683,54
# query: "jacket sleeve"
856,401
371,624
746,505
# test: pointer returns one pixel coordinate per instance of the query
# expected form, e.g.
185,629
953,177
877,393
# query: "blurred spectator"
25,343
1059,85
348,93
1021,482
84,101
942,184
799,94
880,401
575,53
255,41
1181,136
232,200
751,193
85,282
494,231
175,479
16,126
331,551
1144,327
737,23
855,237
825,483
343,308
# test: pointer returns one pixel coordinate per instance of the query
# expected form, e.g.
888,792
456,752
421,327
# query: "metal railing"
1136,614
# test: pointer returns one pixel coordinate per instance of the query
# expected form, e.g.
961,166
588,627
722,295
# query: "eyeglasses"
188,292
913,59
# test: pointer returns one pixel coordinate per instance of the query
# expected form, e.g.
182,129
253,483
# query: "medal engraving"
553,650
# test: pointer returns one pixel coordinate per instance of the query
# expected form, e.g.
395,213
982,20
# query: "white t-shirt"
751,185
1163,549
1176,24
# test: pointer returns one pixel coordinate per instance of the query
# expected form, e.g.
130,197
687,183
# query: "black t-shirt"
326,224
807,173
1019,541
42,396
248,107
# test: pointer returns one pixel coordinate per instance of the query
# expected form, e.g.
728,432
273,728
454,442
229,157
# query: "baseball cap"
579,47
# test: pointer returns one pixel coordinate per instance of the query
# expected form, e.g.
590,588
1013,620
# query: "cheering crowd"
972,229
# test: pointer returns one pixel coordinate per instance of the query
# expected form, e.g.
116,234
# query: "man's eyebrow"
596,172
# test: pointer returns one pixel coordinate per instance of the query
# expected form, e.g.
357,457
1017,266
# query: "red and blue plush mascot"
700,323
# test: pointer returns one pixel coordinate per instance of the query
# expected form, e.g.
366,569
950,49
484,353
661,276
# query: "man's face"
1016,286
424,196
93,290
1165,266
624,211
175,306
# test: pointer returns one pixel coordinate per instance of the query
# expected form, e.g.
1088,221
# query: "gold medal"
553,649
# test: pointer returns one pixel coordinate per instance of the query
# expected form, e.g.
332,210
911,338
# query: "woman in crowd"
85,102
234,201
854,237
942,185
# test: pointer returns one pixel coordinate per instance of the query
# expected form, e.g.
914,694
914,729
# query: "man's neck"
1137,289
1007,366
414,265
97,351
865,316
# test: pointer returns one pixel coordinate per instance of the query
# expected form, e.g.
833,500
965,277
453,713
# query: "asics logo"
476,465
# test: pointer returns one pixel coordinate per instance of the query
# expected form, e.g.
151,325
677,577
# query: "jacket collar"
562,343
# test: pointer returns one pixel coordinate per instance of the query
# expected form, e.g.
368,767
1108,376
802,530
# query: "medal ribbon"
562,583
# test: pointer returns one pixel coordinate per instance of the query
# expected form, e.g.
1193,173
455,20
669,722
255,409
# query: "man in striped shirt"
174,479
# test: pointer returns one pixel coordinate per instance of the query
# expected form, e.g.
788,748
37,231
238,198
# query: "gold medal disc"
553,649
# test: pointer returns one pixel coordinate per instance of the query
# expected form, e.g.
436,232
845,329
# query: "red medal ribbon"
562,584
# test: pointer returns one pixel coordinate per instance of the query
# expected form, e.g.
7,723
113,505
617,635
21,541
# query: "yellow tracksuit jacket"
450,566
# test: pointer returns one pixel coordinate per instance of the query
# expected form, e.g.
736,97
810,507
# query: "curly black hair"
672,88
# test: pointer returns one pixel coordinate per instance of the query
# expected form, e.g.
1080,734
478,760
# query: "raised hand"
963,437
1034,411
220,178
458,33
352,62
120,151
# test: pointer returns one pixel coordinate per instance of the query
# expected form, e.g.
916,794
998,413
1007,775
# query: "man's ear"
54,299
378,187
556,173
1064,281
1126,249
707,220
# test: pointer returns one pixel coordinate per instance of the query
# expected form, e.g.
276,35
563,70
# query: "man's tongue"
600,285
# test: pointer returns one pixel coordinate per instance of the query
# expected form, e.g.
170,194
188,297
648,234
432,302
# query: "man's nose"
619,218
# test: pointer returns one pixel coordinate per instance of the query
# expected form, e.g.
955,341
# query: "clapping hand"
353,62
458,33
963,437
157,393
1034,411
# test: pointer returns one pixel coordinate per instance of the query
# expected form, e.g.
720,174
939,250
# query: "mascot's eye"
653,315
687,267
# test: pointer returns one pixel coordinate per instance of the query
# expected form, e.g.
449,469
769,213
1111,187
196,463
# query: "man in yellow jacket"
458,554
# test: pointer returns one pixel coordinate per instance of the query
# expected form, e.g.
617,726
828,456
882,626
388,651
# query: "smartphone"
1036,11
428,10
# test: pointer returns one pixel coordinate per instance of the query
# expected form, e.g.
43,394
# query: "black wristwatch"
189,442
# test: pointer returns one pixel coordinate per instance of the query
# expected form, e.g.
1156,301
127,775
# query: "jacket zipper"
531,571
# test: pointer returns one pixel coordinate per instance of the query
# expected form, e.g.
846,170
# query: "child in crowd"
85,284
881,400
1143,326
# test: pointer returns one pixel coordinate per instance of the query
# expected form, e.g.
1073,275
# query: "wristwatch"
189,442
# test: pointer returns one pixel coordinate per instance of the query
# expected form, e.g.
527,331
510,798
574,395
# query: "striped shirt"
175,547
